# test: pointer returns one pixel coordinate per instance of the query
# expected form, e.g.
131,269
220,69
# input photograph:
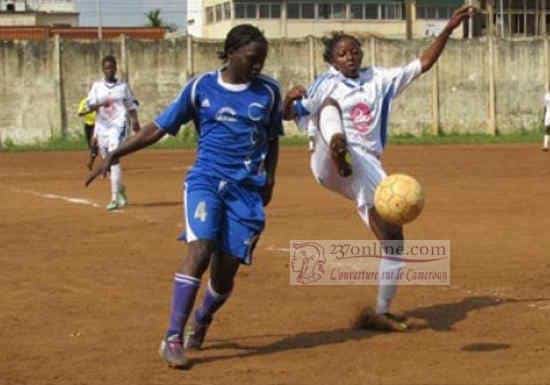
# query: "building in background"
38,13
514,18
299,18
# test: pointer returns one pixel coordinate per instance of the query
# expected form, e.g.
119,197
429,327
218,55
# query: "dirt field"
85,294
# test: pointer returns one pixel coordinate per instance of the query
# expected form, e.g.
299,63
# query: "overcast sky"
125,13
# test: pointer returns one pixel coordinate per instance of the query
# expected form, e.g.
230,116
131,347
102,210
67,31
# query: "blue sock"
183,298
211,303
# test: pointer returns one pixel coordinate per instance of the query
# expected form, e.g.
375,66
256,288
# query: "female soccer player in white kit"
346,114
114,102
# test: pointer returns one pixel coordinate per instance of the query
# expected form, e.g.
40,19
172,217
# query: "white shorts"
109,141
367,173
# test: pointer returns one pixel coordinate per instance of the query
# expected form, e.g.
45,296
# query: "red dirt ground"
85,293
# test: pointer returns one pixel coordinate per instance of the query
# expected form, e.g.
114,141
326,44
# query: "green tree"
154,19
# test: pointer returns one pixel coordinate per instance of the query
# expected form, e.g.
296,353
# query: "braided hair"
240,36
330,42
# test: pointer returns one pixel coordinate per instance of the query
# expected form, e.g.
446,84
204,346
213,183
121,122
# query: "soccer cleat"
171,351
194,335
121,198
113,205
384,322
545,149
340,155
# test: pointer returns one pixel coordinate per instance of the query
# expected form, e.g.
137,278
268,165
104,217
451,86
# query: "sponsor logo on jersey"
256,112
205,103
226,114
361,117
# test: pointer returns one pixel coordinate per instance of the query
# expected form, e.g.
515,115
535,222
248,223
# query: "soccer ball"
399,199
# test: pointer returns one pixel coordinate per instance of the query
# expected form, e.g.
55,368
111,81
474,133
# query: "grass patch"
187,139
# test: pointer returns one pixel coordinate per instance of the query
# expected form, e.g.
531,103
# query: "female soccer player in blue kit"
237,114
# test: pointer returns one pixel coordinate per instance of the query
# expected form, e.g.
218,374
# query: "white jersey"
365,102
547,112
111,119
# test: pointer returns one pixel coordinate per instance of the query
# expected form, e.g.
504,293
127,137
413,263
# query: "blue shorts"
222,211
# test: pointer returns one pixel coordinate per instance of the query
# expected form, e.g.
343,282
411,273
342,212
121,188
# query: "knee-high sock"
330,122
546,140
116,180
387,285
212,302
183,298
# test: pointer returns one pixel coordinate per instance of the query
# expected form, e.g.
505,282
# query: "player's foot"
194,335
121,198
340,155
113,205
171,351
545,149
384,322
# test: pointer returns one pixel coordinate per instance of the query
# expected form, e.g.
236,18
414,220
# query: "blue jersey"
234,124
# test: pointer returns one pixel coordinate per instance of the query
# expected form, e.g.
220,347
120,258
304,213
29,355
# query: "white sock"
387,285
546,140
330,122
116,180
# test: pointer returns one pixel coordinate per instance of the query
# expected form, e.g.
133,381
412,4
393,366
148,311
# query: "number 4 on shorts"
200,211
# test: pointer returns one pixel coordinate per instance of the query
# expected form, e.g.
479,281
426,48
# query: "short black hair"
330,42
240,36
108,59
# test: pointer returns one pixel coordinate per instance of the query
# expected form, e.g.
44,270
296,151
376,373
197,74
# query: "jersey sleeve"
308,106
181,111
93,99
400,77
275,128
129,99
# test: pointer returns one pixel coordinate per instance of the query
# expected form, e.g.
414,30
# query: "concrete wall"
40,86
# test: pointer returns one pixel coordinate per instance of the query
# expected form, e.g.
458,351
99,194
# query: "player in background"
237,114
346,114
113,102
88,118
546,121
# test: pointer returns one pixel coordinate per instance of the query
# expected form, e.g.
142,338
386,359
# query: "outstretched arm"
145,137
294,94
430,55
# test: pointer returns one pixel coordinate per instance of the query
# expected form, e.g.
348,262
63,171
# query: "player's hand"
295,93
460,15
102,170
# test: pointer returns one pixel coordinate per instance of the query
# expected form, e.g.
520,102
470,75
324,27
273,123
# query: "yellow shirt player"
88,117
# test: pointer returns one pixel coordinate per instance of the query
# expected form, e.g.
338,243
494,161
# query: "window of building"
251,11
219,15
245,10
270,11
325,11
209,15
356,11
227,11
293,11
338,11
427,12
275,11
371,11
308,11
392,11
